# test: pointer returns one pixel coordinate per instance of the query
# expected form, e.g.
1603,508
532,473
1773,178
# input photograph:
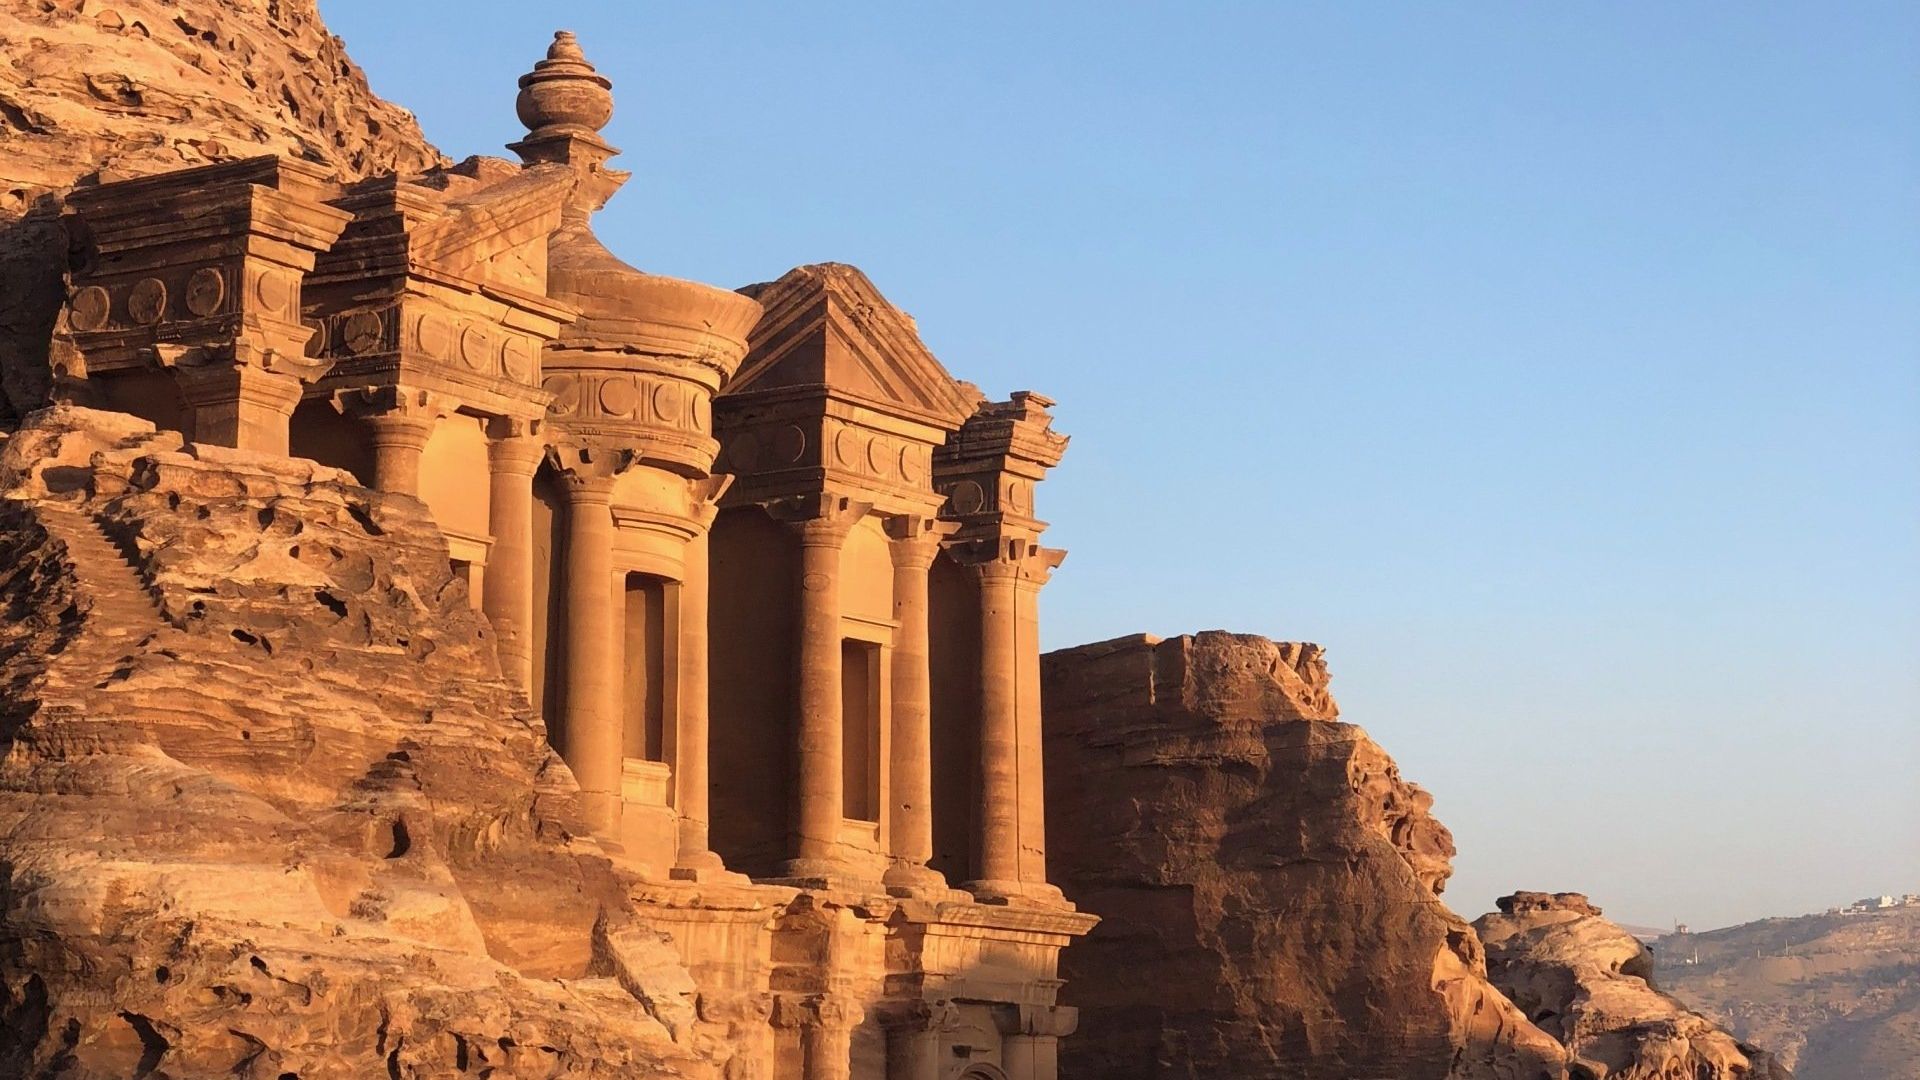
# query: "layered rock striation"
123,88
1267,882
267,807
1590,984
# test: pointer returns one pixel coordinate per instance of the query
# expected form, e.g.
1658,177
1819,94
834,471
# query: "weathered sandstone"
1266,880
122,88
267,807
1589,984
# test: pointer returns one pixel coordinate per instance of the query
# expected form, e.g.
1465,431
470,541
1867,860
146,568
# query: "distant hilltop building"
1877,903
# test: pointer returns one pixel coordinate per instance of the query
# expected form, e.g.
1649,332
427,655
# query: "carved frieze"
625,397
157,302
419,333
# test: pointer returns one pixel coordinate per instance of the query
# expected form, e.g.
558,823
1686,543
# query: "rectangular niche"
643,668
860,729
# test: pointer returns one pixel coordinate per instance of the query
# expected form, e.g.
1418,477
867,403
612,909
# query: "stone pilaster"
696,859
1031,1034
244,406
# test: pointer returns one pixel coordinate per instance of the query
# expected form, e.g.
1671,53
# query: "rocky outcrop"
1265,878
122,88
266,806
1589,984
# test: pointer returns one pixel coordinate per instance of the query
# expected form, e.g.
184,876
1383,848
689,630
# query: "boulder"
1589,984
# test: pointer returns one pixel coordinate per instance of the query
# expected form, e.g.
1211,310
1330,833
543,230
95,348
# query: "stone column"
240,405
821,523
998,814
399,424
399,441
915,543
593,734
513,456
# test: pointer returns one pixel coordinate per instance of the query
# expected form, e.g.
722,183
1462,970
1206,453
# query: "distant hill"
1836,996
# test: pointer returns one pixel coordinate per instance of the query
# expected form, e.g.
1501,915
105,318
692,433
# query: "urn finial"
563,95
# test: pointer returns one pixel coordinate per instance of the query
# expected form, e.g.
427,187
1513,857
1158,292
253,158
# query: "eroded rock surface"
266,806
1589,984
1266,879
124,88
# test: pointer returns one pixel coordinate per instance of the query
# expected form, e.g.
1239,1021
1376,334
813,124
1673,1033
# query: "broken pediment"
826,326
476,224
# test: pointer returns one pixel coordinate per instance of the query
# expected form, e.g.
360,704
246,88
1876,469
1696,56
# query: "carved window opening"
643,667
860,729
463,571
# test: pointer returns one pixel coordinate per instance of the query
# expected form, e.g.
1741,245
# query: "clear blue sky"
1557,366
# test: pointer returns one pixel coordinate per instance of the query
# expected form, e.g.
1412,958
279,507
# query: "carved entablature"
439,282
668,421
988,471
837,393
792,448
196,266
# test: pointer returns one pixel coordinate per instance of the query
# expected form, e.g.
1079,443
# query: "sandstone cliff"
121,88
1266,880
1835,996
1589,984
267,808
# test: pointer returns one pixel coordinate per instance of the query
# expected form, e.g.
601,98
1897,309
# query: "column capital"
739,1009
915,1016
916,539
1009,558
514,428
705,497
1042,1021
822,520
817,1011
514,454
391,402
224,361
215,382
589,470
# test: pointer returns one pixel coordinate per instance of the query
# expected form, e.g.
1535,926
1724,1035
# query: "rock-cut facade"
767,574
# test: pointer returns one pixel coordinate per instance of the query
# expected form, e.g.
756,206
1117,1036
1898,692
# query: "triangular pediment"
827,328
